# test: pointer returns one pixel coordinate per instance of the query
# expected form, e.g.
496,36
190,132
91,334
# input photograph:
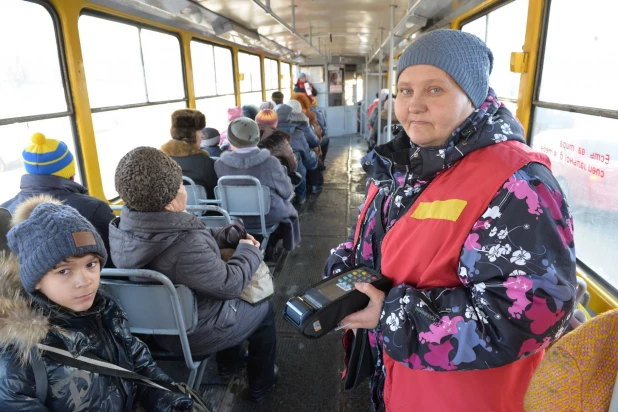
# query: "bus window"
504,32
135,82
271,71
580,139
285,81
214,82
33,97
251,86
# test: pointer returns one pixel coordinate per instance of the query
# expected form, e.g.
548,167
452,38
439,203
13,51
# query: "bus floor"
309,370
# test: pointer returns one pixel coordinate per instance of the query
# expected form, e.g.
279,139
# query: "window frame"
262,85
199,40
68,92
140,26
607,113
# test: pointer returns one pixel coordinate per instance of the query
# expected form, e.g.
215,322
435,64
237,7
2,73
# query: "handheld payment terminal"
319,310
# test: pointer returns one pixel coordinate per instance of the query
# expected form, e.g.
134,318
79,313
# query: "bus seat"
245,196
196,194
155,306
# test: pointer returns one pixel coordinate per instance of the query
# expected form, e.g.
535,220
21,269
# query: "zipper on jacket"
106,343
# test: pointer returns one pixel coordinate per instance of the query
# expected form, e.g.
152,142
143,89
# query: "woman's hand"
369,317
250,240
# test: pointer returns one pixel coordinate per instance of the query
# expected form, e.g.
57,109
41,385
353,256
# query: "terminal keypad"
356,276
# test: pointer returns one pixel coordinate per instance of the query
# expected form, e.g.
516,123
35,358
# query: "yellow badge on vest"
440,209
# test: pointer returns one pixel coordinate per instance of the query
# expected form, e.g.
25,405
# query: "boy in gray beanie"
51,296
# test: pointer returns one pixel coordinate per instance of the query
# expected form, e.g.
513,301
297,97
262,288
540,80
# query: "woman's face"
199,136
430,105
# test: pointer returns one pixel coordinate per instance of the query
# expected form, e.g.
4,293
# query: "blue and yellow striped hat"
48,157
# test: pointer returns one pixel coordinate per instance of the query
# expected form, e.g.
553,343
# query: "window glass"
112,62
215,109
251,98
506,32
579,65
30,75
583,150
272,74
477,27
204,78
224,69
315,74
249,66
119,131
162,66
285,80
15,137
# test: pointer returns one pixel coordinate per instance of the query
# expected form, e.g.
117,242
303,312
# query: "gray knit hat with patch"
50,234
462,55
147,179
243,132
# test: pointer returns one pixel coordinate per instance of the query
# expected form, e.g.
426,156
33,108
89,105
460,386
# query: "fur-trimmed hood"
244,160
22,325
178,148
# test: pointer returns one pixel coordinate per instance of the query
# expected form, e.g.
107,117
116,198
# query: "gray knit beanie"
462,55
50,233
243,132
283,113
147,179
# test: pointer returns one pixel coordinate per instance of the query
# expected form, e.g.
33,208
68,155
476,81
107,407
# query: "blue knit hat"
463,56
47,232
45,156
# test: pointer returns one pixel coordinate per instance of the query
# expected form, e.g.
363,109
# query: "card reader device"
318,310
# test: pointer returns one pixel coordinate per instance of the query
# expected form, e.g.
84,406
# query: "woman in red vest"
473,230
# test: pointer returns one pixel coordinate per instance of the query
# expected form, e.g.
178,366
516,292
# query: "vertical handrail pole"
391,79
379,141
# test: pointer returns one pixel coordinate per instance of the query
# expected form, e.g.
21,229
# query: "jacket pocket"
227,314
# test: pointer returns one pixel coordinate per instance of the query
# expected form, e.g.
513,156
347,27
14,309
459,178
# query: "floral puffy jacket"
516,268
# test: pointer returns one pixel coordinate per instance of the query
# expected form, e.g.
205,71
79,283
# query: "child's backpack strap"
40,376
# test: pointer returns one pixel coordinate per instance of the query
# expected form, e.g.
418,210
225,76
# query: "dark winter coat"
195,164
301,122
70,193
268,170
299,145
102,331
213,151
524,237
180,246
279,147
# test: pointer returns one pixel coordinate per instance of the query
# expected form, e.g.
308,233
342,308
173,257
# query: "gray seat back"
243,196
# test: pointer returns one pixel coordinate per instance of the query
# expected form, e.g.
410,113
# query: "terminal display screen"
337,286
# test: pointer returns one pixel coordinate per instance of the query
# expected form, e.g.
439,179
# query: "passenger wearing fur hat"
154,232
248,159
49,294
50,169
185,148
453,189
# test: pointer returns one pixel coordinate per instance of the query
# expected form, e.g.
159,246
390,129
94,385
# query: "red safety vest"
423,249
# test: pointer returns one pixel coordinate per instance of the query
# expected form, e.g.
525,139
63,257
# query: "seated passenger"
51,296
307,159
50,169
301,122
302,85
277,98
277,142
184,148
232,113
210,143
321,118
247,159
267,105
305,104
250,111
373,139
154,232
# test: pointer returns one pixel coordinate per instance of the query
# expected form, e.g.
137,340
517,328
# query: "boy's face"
73,283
